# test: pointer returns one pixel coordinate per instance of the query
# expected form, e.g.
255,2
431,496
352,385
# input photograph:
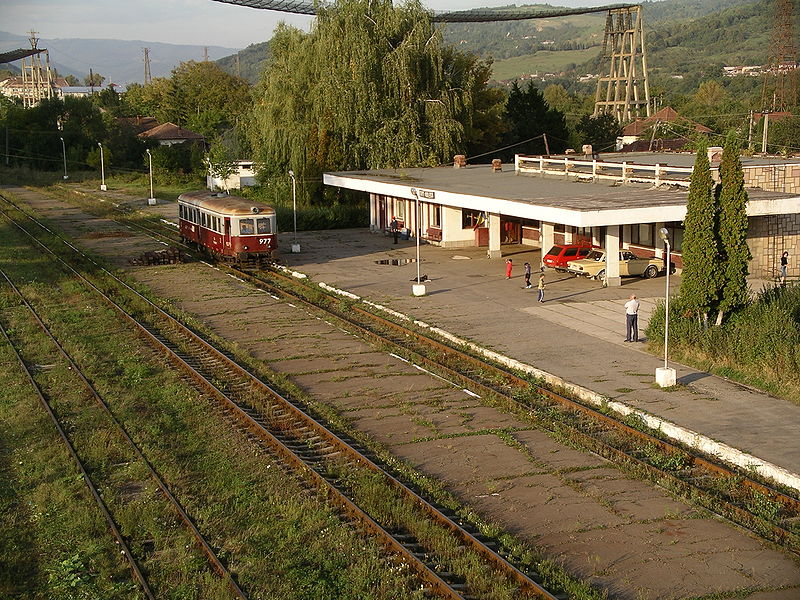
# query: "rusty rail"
695,461
216,564
526,585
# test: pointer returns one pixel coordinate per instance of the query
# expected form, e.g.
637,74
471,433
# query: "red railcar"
228,227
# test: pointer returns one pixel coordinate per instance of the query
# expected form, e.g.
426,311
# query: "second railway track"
733,494
286,429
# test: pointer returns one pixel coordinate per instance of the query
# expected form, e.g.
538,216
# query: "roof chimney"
459,161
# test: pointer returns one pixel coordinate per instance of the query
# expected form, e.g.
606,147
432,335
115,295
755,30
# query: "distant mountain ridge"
119,61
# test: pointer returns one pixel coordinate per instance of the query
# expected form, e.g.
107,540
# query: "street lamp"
418,289
152,199
64,153
295,245
665,376
102,169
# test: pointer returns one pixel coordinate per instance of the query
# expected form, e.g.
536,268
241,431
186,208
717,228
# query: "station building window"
436,216
470,219
676,230
643,234
533,223
400,210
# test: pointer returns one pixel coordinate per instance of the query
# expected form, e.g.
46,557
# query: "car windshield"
595,255
555,250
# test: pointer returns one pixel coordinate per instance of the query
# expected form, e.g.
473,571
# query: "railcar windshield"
246,227
263,225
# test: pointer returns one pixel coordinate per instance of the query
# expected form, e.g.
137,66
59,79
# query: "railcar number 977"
264,241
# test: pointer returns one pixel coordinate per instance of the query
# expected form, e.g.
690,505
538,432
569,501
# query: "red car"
558,256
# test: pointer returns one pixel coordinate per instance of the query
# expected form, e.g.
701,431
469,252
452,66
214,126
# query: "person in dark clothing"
394,227
784,267
527,275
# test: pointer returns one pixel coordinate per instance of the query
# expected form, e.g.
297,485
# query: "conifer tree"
700,250
734,251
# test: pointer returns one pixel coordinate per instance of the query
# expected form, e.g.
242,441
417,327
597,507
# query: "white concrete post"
373,213
548,238
658,175
612,277
626,236
494,236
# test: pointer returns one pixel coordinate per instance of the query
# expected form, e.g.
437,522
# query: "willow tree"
734,252
371,86
700,250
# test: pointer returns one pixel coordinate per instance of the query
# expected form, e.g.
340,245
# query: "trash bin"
405,234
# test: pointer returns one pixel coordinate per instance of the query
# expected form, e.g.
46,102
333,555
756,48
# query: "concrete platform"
577,334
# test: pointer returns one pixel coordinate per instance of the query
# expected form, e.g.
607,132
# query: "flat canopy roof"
547,198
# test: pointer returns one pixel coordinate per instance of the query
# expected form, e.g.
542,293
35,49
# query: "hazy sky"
201,22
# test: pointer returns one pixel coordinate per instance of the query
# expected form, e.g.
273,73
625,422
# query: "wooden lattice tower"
37,78
781,75
619,93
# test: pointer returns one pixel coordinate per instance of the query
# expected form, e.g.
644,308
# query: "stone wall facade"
770,236
774,178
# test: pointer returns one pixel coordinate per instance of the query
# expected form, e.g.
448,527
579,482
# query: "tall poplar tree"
371,86
734,251
700,251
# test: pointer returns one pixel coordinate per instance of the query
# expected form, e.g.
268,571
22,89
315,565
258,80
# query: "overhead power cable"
478,15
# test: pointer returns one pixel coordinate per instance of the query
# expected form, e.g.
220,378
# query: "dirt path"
628,537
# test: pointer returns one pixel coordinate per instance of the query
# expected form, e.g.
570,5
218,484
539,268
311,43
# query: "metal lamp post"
152,199
64,154
295,245
102,169
418,289
665,376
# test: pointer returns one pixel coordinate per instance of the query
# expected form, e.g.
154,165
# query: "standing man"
784,267
632,319
541,287
528,275
393,227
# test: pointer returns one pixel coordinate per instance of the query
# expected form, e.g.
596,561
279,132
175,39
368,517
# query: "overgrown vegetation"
758,345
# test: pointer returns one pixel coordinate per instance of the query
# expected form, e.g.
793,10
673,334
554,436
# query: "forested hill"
664,18
692,38
250,64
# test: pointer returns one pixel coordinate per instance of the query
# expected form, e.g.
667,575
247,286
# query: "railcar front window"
246,227
263,226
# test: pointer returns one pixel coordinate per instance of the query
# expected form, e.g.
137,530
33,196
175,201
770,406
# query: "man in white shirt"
632,319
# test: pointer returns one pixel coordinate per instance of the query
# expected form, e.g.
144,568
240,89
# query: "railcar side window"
263,225
180,211
203,217
246,227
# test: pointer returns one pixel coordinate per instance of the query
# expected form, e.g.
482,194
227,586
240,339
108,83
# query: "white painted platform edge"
695,440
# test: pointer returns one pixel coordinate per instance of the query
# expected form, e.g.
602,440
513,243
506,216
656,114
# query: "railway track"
121,431
728,492
735,495
321,456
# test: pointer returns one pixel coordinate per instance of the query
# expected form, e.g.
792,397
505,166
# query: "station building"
619,201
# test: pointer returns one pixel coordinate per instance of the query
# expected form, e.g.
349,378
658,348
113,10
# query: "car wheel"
650,272
601,274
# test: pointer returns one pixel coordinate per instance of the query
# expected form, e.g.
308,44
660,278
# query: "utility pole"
766,127
147,78
238,66
546,147
750,132
205,53
91,81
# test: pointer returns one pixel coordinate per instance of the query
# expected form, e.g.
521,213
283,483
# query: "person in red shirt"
508,268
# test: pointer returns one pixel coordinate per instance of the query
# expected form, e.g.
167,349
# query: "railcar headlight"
246,247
